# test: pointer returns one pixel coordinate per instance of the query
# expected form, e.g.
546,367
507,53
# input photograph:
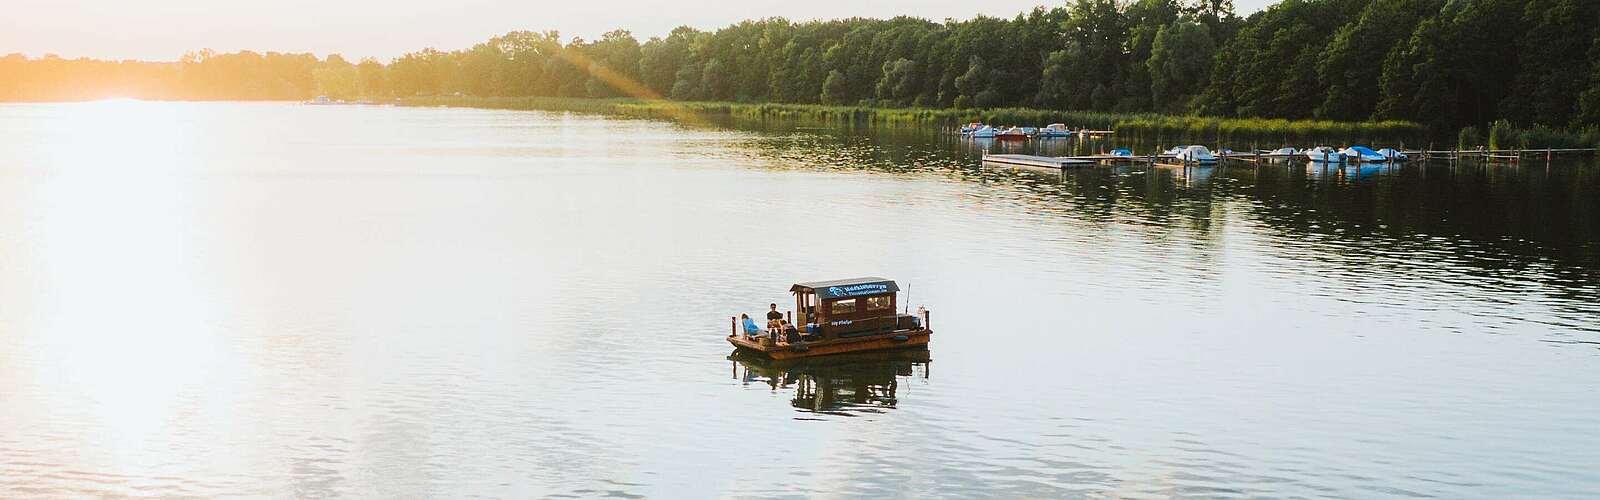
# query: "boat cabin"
842,308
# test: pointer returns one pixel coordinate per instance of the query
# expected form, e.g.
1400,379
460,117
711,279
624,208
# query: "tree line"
1444,63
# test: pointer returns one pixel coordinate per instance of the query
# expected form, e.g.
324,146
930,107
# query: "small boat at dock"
1012,134
1054,130
1197,154
1392,154
1324,154
837,317
984,132
1363,154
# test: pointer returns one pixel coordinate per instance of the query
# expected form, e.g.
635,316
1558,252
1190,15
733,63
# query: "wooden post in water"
734,322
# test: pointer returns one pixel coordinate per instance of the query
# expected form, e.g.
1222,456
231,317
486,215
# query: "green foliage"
1180,59
1469,138
1506,135
1502,135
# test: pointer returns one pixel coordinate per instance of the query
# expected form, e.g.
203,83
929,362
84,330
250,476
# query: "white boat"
1174,151
1030,130
1197,154
1392,154
321,99
984,132
1286,151
1012,134
1364,154
1054,130
1324,154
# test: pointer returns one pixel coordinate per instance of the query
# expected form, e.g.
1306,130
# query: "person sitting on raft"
750,327
774,319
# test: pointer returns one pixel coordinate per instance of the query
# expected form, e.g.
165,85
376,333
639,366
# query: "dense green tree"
833,88
1179,64
337,78
899,84
1353,62
1553,61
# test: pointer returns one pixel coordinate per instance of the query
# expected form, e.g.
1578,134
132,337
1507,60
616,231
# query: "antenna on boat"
908,297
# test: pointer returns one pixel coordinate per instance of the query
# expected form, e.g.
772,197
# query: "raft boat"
838,317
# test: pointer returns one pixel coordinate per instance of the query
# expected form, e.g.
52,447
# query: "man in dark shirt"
776,324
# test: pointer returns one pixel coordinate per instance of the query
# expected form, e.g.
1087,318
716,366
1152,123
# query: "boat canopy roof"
853,287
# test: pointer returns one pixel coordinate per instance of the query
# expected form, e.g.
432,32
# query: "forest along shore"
1496,73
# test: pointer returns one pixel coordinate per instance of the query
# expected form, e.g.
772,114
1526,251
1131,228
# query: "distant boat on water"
984,132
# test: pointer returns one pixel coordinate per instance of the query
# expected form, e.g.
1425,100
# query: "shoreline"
1141,126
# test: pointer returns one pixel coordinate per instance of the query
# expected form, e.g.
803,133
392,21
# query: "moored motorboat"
1324,154
1363,154
1054,130
1012,134
1393,154
836,317
1196,154
984,132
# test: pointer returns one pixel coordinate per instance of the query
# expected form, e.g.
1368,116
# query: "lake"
226,299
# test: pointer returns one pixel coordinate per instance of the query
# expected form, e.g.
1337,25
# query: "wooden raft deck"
917,338
1046,162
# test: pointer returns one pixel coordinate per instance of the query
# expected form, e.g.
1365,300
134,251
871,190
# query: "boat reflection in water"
1353,171
842,384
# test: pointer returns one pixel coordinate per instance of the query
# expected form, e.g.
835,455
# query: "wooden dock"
1033,161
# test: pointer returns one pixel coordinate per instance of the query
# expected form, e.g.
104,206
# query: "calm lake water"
282,300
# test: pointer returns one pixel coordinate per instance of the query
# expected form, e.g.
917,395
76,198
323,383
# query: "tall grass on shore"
1506,135
1143,126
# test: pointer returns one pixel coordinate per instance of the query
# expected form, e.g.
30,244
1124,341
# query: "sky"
166,29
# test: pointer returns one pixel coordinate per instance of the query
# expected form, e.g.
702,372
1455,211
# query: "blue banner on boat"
859,287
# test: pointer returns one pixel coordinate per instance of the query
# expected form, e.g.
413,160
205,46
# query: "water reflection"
1532,212
839,385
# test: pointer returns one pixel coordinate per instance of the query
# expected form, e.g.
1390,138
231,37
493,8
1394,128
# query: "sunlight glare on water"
222,299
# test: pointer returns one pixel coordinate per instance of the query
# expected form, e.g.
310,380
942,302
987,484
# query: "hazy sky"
165,29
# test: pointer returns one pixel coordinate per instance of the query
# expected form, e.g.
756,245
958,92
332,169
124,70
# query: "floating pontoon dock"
1047,162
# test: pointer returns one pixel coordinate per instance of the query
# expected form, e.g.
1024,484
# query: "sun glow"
113,299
